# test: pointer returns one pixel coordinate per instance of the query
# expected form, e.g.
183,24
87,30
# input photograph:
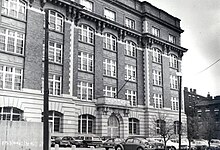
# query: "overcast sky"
200,20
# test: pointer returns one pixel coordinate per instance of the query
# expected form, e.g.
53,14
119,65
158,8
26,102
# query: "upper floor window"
86,124
109,41
130,48
109,67
55,52
156,31
88,5
10,78
129,23
11,41
85,61
158,101
109,91
14,8
110,14
55,21
174,103
173,82
55,84
157,77
133,126
11,114
157,55
130,73
172,39
173,61
85,90
86,34
132,97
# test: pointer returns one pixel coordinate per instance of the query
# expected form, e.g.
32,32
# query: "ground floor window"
86,124
133,126
160,126
10,113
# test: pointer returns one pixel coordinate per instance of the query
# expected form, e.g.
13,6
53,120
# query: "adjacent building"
112,65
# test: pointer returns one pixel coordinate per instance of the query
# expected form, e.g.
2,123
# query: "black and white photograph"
109,74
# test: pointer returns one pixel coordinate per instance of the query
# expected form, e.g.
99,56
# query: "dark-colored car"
133,143
66,141
52,140
110,143
92,140
78,141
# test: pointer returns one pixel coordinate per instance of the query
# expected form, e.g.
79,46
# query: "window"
55,118
133,126
109,91
55,52
132,97
174,103
109,67
10,78
85,61
172,39
129,23
176,127
14,8
85,90
173,61
130,48
173,82
55,82
11,114
130,73
11,41
157,55
109,42
157,78
86,34
110,14
158,101
88,5
156,31
55,21
86,124
160,127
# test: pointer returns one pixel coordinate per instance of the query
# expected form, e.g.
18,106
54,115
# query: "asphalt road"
52,148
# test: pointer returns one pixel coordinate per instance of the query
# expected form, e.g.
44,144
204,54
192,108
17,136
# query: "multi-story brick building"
112,64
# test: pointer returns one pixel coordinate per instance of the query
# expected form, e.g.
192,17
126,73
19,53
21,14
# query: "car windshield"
79,138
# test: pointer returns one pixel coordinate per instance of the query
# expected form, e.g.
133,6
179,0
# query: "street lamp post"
179,75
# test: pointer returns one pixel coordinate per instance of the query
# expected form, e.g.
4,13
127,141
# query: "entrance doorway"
113,126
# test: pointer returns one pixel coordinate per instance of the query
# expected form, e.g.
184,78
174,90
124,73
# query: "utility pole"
179,75
46,90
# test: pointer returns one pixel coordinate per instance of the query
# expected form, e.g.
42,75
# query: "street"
62,148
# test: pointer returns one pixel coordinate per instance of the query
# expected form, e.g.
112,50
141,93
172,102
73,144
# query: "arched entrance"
113,126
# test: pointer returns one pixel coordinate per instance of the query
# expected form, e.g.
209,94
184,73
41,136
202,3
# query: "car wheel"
140,148
118,148
106,148
172,148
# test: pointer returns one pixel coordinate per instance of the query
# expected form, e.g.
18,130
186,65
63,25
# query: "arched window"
157,55
173,61
176,127
55,21
86,34
109,41
14,8
86,124
133,126
10,113
55,118
160,127
130,48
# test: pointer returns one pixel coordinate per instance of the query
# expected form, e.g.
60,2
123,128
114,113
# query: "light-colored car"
215,143
199,144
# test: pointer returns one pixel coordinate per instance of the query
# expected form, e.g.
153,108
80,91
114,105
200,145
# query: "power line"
209,66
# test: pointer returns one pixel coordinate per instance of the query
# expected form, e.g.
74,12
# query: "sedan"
110,143
133,143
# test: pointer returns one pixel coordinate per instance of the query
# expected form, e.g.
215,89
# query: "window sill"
86,71
91,44
133,57
110,50
11,53
110,77
24,21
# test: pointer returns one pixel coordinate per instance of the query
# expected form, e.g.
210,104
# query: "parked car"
155,144
92,140
199,144
66,141
215,143
133,143
78,141
111,142
52,140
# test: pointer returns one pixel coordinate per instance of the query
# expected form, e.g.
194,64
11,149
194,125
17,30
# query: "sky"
200,20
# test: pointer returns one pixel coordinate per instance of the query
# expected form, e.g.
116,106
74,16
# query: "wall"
30,135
